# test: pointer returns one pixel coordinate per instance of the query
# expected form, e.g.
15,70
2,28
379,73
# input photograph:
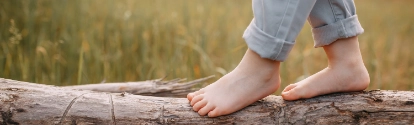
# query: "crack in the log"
112,110
364,114
161,116
340,110
282,115
314,109
7,115
409,103
386,111
357,115
68,108
7,118
163,119
373,97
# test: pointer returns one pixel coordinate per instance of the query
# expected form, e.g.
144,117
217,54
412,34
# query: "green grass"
66,42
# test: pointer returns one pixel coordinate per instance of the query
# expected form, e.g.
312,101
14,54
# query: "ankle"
354,71
262,75
346,64
253,65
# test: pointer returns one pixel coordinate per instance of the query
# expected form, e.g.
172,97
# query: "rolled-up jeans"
276,24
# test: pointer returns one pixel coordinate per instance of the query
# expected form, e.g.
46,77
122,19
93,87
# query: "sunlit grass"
78,41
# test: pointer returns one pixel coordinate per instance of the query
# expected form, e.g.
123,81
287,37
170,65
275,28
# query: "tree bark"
29,103
156,87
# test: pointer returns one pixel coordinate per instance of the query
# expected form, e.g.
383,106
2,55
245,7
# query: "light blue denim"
277,23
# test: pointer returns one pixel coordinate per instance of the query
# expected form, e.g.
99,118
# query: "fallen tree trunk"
159,88
29,103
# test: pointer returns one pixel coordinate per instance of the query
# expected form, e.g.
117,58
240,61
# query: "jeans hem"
266,45
345,28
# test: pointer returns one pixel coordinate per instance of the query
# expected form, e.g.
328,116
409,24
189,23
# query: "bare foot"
253,79
345,73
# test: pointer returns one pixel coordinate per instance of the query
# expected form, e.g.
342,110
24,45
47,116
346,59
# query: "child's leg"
269,37
336,31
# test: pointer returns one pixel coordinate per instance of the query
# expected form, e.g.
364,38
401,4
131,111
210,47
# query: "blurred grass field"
66,42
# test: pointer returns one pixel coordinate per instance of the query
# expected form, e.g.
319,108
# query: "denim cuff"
266,45
345,28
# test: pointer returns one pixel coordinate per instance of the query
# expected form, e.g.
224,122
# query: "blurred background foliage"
66,42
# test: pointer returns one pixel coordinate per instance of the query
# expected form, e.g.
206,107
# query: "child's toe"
289,87
196,99
199,105
213,113
291,94
190,96
206,109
